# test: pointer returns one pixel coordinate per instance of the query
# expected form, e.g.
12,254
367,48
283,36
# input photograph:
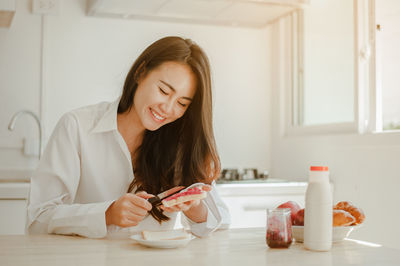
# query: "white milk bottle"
318,210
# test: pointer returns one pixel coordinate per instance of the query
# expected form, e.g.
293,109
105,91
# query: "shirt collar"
108,120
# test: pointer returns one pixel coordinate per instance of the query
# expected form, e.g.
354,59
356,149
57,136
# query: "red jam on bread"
187,195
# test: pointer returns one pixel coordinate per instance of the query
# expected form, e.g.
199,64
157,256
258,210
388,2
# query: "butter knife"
155,201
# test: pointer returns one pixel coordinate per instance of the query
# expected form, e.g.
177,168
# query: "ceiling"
245,13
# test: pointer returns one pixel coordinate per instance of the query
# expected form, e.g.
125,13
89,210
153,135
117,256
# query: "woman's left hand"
185,206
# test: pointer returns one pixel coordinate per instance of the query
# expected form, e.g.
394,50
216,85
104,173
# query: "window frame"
367,100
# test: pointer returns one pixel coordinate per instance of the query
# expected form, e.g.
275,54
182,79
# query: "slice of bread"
165,235
181,199
194,193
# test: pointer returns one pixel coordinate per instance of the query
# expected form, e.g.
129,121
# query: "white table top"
225,247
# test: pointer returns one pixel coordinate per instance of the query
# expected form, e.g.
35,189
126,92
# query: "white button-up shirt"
85,167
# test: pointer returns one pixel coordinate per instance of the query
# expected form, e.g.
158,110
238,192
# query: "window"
328,62
387,54
321,91
345,68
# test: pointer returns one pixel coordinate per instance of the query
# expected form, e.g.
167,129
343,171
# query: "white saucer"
162,243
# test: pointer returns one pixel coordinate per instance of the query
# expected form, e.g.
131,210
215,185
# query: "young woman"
104,161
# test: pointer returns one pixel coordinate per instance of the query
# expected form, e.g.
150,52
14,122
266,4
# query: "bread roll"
342,218
356,212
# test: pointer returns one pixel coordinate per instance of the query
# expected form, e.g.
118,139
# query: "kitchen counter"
15,175
251,181
260,187
225,247
13,185
14,190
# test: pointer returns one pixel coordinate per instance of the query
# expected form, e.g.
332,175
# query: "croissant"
342,218
356,212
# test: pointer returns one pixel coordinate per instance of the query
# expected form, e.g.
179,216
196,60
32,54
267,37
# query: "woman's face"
164,94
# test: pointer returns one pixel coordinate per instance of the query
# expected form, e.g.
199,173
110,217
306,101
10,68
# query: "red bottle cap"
319,168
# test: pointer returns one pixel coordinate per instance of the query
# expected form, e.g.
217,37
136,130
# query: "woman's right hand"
129,210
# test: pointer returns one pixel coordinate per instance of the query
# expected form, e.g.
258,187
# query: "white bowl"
338,232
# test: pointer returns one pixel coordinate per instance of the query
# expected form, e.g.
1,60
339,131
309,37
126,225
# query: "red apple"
299,219
293,206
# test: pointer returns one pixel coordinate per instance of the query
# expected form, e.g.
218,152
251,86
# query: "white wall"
19,84
364,169
86,60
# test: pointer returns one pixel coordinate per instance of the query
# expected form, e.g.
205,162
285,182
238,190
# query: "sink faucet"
15,118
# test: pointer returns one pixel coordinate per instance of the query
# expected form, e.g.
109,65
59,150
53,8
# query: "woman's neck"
131,129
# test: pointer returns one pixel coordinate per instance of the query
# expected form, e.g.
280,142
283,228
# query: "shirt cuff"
92,224
205,228
99,219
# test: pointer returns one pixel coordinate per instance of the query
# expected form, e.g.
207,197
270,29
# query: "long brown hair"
182,152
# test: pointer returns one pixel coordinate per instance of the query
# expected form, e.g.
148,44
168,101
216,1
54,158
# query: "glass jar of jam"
279,228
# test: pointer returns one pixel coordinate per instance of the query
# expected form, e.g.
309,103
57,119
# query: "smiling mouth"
156,116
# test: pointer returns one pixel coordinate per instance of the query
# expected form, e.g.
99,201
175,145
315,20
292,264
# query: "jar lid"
319,168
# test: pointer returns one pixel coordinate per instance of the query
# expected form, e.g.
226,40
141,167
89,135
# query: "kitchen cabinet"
13,217
247,203
13,203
